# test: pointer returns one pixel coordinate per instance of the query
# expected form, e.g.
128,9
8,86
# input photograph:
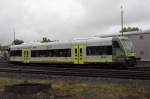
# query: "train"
92,50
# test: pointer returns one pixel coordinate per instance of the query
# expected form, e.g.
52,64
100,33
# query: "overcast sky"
67,19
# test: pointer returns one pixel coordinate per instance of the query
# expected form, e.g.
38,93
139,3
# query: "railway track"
67,67
108,73
4,64
124,73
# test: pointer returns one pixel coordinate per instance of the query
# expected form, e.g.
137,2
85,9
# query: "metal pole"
14,36
122,20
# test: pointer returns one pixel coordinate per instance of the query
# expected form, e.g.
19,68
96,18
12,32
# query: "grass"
86,90
102,91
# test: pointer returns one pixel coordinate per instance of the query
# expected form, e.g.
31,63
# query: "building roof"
126,33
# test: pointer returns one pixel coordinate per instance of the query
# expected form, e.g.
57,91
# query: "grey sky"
67,19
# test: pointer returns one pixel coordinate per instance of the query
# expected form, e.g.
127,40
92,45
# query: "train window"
108,50
76,51
99,50
63,53
116,44
34,53
91,50
69,53
16,53
55,53
39,53
80,50
94,50
51,53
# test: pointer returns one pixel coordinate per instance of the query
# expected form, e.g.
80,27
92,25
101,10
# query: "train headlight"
131,54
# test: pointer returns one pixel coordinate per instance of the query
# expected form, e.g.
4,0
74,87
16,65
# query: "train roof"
39,44
91,40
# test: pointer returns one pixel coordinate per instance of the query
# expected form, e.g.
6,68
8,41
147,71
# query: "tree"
45,39
17,42
130,29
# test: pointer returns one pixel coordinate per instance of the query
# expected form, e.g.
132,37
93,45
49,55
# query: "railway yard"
74,49
136,79
139,72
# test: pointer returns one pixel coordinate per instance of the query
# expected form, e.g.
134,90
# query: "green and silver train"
92,50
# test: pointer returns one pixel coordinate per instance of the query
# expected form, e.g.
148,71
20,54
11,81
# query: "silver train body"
78,51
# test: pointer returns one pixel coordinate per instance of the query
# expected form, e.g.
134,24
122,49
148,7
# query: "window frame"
51,53
98,50
15,53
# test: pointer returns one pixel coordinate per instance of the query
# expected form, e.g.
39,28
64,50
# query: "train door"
78,54
75,54
26,55
81,54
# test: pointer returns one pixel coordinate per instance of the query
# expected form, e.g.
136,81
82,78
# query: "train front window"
118,51
116,44
127,44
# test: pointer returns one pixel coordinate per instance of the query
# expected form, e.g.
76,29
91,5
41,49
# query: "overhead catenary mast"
122,19
14,36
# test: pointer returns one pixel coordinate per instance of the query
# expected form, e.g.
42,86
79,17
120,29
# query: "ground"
61,89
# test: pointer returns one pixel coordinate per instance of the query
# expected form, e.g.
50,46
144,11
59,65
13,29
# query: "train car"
78,51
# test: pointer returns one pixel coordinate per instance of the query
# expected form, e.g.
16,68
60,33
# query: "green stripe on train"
98,60
50,60
44,60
